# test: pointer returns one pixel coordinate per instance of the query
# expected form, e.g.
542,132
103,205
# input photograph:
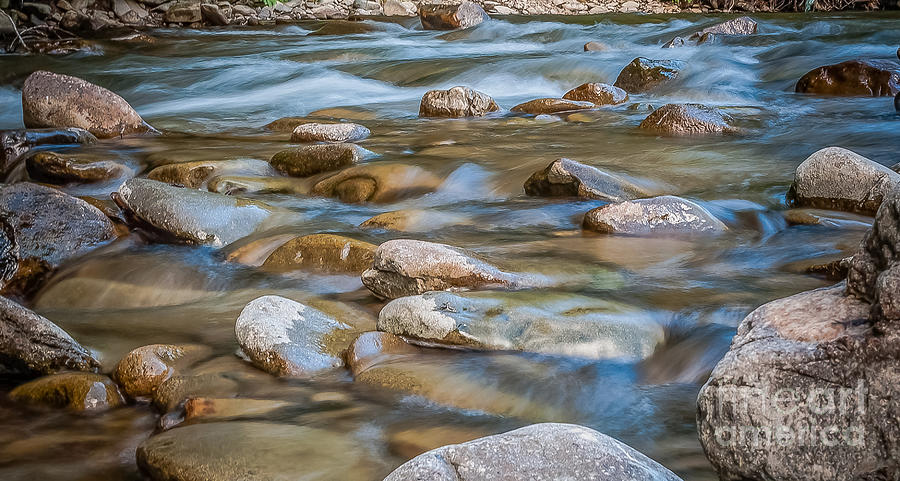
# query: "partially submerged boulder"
60,101
319,132
32,345
77,391
597,93
839,179
287,338
595,47
190,215
456,102
568,178
870,78
377,182
551,106
194,174
451,17
406,267
15,143
735,26
540,452
58,168
322,252
644,74
315,159
414,220
144,369
372,347
686,119
658,215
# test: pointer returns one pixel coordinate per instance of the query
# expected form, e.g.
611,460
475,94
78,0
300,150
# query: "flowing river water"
212,92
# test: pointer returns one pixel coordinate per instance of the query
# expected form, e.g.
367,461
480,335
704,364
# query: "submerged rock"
175,390
317,132
597,93
412,442
414,220
78,391
144,369
53,167
568,178
15,143
456,102
685,119
245,450
59,101
191,215
735,26
675,43
370,348
32,345
595,47
540,452
561,324
406,267
838,179
551,106
643,74
287,338
235,185
377,182
658,215
323,252
194,174
315,159
870,78
450,17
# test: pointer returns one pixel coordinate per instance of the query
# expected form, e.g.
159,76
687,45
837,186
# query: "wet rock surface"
839,179
144,369
551,106
315,159
15,143
56,168
413,220
371,348
190,215
568,178
451,17
686,119
377,182
318,132
61,101
597,93
322,252
77,391
644,74
456,102
658,215
870,78
539,452
195,173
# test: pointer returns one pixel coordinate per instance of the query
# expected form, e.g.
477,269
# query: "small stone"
144,369
52,167
195,174
456,102
598,94
212,15
77,391
377,182
658,215
414,220
322,252
317,132
551,106
596,46
315,159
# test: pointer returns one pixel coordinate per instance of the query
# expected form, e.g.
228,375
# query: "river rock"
409,443
595,47
318,132
568,178
450,17
377,182
871,78
838,179
658,215
551,106
414,220
315,159
553,324
735,26
77,391
191,215
184,11
194,174
175,390
252,451
212,15
686,119
323,252
597,93
287,338
15,143
456,102
675,43
371,348
643,74
539,452
406,267
237,184
217,409
60,101
144,369
49,227
32,345
53,167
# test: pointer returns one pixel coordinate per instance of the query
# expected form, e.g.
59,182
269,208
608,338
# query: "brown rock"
869,78
59,101
643,74
450,17
315,159
410,443
52,167
323,252
216,409
414,220
77,391
658,215
212,15
456,102
371,348
595,47
597,93
377,182
551,106
686,119
176,389
195,174
184,11
144,369
15,143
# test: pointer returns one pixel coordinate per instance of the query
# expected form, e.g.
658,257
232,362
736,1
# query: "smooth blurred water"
212,91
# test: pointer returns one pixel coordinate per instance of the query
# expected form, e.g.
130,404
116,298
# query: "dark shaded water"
212,91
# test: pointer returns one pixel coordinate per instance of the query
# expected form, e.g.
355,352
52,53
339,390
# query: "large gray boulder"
658,215
540,452
808,389
61,101
550,324
568,178
405,267
456,102
838,179
31,345
287,338
190,215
